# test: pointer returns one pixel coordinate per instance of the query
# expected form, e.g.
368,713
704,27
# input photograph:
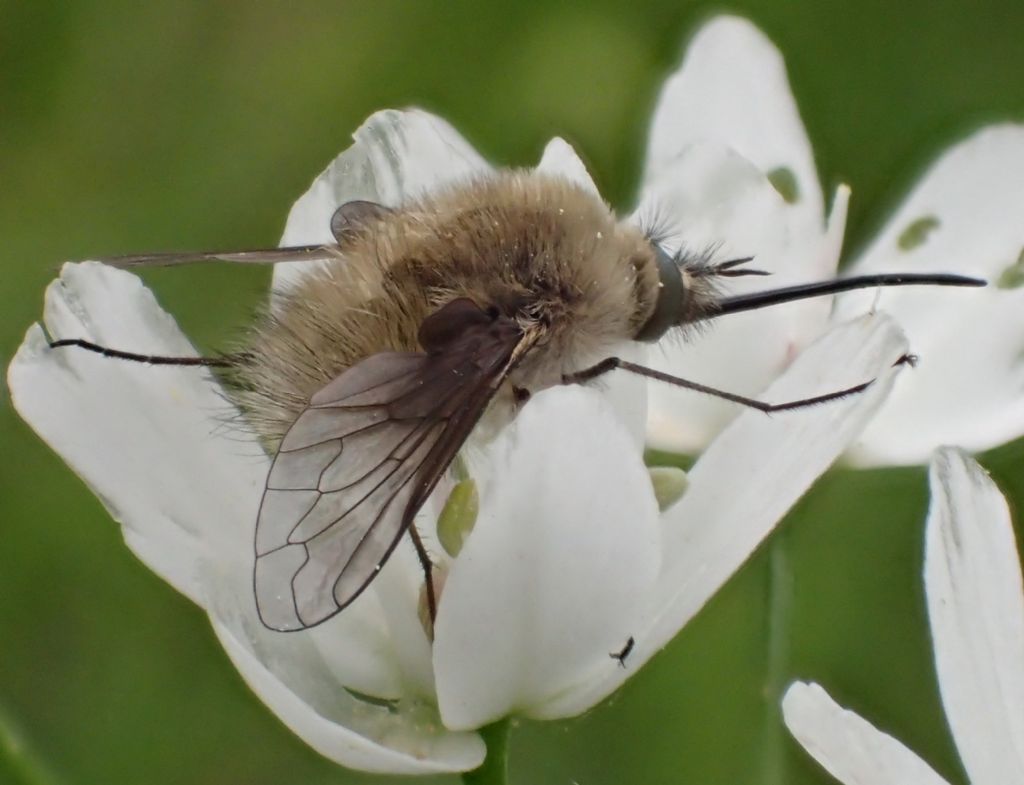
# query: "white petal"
710,196
397,156
151,442
753,472
720,200
973,190
377,646
561,159
970,387
976,609
366,648
732,90
849,747
357,649
398,589
153,445
761,465
627,392
557,569
403,739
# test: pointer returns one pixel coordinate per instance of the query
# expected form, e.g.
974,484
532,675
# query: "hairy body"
538,250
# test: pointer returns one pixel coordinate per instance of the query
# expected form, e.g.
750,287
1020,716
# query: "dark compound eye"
669,306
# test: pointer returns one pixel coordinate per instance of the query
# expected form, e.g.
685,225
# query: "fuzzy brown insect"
366,378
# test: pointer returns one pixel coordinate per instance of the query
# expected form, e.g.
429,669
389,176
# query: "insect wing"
357,465
304,253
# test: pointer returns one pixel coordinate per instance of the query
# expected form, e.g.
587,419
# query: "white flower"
569,557
976,609
964,216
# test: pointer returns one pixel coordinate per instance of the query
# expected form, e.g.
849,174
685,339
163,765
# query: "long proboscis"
749,302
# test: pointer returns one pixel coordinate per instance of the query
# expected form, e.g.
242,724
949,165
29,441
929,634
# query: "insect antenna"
729,269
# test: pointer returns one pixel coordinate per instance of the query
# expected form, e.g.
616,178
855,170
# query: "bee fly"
366,377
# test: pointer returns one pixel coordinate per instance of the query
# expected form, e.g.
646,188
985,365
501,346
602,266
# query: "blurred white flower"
976,609
569,557
730,163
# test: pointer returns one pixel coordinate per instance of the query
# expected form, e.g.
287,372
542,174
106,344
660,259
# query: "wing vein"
400,418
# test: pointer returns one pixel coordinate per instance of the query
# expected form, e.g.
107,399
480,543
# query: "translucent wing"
362,458
302,253
347,222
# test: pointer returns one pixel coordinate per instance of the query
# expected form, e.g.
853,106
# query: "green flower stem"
494,770
780,611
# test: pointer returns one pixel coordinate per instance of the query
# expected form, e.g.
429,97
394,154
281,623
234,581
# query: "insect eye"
671,292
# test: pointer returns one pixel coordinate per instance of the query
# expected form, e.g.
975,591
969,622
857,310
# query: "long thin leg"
611,363
150,359
227,362
428,574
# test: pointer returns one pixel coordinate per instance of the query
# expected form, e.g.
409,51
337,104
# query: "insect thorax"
539,250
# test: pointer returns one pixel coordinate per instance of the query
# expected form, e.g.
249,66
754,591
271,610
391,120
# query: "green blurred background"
131,126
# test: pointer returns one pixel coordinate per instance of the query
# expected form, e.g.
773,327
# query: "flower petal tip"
561,159
729,30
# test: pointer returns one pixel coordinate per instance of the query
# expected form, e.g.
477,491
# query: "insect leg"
611,363
428,574
622,653
521,395
150,359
